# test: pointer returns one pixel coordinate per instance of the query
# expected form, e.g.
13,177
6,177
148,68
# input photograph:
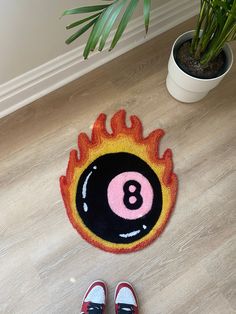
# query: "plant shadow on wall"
200,55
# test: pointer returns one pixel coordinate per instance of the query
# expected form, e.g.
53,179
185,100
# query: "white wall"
34,59
31,33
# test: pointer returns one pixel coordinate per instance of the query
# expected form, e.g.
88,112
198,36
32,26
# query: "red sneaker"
95,299
125,299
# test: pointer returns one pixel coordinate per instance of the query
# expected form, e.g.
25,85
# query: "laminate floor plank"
46,267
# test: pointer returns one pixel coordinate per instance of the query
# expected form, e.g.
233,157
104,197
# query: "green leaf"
146,13
81,31
82,21
110,23
88,9
97,30
124,21
232,35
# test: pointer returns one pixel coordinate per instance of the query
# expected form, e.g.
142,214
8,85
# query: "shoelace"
95,308
125,308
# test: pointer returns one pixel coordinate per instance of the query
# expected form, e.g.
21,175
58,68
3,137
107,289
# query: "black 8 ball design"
119,197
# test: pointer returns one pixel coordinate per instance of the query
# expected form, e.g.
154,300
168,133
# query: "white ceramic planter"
185,87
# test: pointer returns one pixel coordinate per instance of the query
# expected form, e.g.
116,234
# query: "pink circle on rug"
115,195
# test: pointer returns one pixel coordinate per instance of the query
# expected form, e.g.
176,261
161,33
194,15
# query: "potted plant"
199,59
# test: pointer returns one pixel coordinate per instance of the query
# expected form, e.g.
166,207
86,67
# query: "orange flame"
122,138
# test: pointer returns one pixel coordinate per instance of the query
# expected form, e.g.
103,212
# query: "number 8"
134,194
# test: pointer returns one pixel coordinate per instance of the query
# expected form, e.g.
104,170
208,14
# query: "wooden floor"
45,267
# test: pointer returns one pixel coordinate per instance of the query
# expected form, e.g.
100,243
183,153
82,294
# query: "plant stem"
198,28
220,38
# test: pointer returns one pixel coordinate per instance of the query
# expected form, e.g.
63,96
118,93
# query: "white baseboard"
44,79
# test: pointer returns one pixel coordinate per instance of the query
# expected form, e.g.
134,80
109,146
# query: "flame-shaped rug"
119,193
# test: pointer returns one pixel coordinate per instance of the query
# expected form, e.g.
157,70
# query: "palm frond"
124,21
146,13
103,20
